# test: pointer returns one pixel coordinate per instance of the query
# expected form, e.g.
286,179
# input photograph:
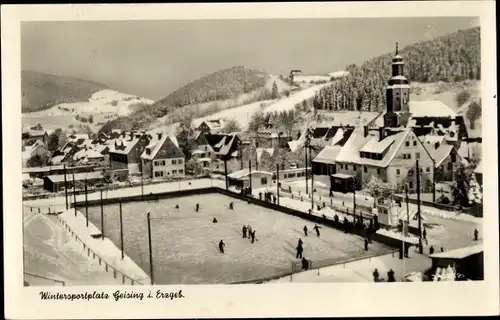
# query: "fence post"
106,266
123,278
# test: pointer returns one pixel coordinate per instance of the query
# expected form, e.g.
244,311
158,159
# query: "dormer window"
148,151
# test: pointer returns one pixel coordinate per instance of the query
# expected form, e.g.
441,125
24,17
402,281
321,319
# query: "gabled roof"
213,139
228,141
172,149
328,155
376,146
245,173
441,153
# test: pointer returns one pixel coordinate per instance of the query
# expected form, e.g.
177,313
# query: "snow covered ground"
103,104
290,102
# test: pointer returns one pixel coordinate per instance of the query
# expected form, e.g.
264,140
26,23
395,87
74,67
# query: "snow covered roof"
441,153
432,108
328,155
432,139
350,152
342,175
57,159
155,146
376,146
204,160
295,145
459,253
240,174
78,176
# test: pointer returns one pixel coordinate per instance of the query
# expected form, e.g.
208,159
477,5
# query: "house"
55,183
211,126
163,158
324,162
447,160
126,152
467,262
256,179
30,136
30,150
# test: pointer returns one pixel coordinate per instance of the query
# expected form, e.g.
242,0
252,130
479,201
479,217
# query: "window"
179,161
378,171
365,169
421,170
417,155
174,171
450,166
407,143
181,171
427,169
453,158
347,167
414,143
410,172
341,166
263,180
410,185
174,161
353,167
408,156
404,155
158,174
398,171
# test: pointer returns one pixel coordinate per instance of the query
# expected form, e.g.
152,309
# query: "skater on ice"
305,230
316,228
214,220
221,246
244,231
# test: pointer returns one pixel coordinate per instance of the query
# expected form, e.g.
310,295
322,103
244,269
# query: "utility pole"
354,199
420,249
278,182
225,173
121,229
256,156
74,192
241,153
102,218
433,180
305,154
250,172
142,186
312,178
86,205
150,249
65,187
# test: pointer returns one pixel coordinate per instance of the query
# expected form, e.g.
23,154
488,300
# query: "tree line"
451,58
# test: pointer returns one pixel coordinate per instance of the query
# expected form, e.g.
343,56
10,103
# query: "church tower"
397,95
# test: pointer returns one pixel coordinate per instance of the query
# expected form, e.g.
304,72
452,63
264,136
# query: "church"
427,131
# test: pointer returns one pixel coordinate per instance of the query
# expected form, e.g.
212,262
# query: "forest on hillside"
451,58
220,85
41,91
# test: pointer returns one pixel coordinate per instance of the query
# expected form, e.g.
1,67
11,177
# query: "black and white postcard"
249,160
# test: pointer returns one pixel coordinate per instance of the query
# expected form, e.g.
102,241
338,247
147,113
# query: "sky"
153,58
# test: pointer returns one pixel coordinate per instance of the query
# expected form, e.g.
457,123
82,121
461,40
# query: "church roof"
431,108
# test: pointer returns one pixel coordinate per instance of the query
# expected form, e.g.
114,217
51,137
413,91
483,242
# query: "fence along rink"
125,279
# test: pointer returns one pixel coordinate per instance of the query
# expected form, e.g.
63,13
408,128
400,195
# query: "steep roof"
328,155
227,143
441,153
171,148
431,108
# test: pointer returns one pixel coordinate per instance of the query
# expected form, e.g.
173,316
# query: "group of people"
315,228
248,232
268,196
390,276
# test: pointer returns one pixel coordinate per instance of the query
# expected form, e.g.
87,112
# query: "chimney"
159,135
365,131
381,133
116,145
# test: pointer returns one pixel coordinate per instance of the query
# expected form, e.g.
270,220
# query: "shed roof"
459,253
78,176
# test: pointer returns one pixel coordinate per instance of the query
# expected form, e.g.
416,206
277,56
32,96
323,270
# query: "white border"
272,300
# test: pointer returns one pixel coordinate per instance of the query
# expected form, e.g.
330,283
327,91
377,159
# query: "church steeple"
397,91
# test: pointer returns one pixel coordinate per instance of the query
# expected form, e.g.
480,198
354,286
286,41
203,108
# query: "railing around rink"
37,276
88,251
